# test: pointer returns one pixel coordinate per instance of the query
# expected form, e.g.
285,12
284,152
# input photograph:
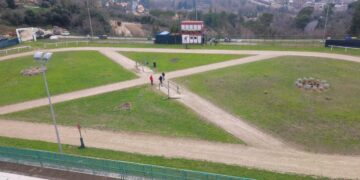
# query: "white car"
54,37
65,33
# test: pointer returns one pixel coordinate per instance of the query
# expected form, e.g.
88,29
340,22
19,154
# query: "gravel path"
263,150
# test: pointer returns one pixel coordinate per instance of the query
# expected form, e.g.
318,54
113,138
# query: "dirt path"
285,160
71,96
265,151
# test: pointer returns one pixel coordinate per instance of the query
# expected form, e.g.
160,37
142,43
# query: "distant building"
320,6
167,38
192,32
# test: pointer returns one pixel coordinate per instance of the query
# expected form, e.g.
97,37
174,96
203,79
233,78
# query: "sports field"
264,93
244,110
149,112
65,72
167,62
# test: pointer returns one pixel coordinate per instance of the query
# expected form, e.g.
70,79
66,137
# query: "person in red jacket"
151,80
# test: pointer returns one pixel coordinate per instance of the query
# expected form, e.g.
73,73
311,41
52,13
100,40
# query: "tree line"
72,14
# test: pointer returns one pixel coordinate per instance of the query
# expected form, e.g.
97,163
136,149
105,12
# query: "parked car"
3,38
227,39
65,33
54,37
103,36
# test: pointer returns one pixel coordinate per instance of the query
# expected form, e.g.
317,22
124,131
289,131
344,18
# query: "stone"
307,87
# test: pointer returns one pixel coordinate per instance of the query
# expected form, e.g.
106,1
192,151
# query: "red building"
192,32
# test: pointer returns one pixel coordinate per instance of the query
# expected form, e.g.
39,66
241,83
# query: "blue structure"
4,43
353,43
167,38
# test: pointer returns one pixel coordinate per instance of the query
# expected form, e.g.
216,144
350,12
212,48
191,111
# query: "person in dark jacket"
163,75
161,80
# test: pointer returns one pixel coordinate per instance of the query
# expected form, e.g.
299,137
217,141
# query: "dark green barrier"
103,166
8,43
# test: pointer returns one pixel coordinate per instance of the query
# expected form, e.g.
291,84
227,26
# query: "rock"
307,87
299,85
326,86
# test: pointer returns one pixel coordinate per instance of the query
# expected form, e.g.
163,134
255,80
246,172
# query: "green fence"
121,169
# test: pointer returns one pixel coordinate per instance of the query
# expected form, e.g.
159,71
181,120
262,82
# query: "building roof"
192,22
164,33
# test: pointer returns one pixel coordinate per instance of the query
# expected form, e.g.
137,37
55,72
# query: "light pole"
90,24
43,58
326,20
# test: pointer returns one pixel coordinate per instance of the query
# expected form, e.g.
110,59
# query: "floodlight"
38,55
42,58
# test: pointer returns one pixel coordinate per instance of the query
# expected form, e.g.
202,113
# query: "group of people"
161,79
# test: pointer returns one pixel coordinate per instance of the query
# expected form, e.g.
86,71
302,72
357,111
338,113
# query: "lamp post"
43,58
326,19
90,24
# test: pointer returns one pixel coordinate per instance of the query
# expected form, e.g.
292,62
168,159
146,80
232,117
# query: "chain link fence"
118,169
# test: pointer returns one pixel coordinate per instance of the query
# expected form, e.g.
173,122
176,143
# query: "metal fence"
15,50
65,44
119,169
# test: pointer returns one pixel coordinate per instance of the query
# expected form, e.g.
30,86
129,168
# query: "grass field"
150,113
154,160
174,61
273,46
66,72
264,94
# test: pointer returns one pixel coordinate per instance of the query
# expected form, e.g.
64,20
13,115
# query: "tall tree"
355,23
11,4
304,17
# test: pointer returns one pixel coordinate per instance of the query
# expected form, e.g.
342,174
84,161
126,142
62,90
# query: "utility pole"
195,8
88,10
326,20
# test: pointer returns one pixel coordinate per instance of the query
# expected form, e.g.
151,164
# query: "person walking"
163,75
151,80
154,65
161,80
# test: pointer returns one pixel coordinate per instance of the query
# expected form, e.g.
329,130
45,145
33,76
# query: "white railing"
17,49
171,85
64,43
346,48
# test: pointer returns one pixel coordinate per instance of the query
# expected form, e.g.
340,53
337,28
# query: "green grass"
266,46
150,113
154,160
174,61
321,122
67,71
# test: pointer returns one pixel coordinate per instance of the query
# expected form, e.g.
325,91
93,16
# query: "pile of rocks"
32,71
312,84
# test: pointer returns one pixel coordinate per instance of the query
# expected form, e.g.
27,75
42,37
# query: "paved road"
263,150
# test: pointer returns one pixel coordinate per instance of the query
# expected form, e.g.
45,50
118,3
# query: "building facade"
192,32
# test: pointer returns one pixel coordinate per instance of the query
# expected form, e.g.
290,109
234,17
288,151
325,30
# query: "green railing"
121,169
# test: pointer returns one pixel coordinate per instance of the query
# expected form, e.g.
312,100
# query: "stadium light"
43,58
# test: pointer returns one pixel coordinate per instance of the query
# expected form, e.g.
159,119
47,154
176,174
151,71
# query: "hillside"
145,18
